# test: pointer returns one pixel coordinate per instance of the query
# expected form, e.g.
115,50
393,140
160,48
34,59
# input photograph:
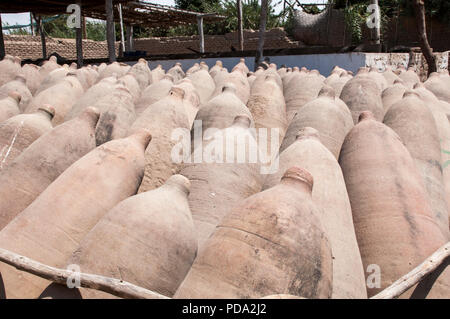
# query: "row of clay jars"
17,85
337,80
362,93
62,96
162,119
158,74
9,106
330,194
115,68
270,243
327,114
176,72
43,161
18,132
153,93
217,181
421,138
52,227
147,239
393,219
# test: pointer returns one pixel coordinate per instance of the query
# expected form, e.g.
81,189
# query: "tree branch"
112,286
416,275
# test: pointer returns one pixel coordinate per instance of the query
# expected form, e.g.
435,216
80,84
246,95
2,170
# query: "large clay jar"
9,106
220,111
421,138
17,85
147,240
392,94
103,88
409,77
440,86
62,96
18,132
142,73
238,79
390,76
54,77
443,126
117,115
52,227
161,119
326,114
158,74
153,93
32,76
48,66
267,105
218,66
43,161
10,67
129,81
216,185
176,72
191,99
301,89
330,193
270,243
113,69
393,220
87,77
378,77
363,94
204,84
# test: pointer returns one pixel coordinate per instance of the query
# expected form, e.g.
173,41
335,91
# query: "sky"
24,18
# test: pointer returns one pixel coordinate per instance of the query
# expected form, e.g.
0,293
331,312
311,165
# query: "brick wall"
29,47
274,39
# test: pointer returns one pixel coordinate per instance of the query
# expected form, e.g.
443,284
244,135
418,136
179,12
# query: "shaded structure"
125,12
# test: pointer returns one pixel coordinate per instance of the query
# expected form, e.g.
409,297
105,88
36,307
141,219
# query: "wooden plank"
112,286
110,32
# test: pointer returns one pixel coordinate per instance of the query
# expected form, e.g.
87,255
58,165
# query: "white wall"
324,63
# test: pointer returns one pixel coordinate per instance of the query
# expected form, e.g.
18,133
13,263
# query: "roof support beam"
122,37
240,28
110,32
79,39
2,42
201,34
129,41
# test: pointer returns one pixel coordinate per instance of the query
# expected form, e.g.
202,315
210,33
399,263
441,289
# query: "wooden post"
419,12
122,37
41,32
376,32
129,40
240,28
201,34
79,42
110,32
31,24
84,28
2,41
262,31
